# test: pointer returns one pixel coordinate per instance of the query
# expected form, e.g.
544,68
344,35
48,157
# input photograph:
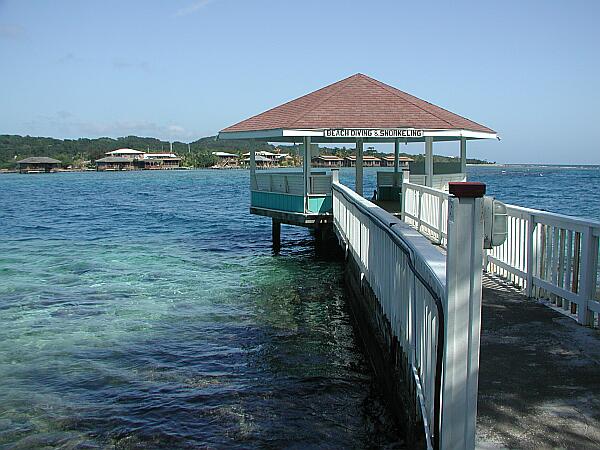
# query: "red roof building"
359,109
357,102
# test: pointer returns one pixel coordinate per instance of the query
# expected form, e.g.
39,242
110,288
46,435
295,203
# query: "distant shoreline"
541,165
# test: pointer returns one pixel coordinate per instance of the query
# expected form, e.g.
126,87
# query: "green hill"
78,152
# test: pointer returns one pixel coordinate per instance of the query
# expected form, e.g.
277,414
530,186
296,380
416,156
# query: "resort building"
129,159
273,157
388,161
261,161
114,163
38,164
126,153
224,156
327,161
160,161
368,161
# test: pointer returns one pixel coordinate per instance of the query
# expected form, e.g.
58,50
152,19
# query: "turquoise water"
146,309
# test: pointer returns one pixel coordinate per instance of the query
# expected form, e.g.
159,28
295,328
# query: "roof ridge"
395,91
334,91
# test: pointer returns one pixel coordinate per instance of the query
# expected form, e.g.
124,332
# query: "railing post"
403,202
589,262
440,206
462,308
253,183
530,256
306,170
419,210
335,176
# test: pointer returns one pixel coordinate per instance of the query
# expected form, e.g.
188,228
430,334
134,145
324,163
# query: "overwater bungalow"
162,161
38,164
129,159
368,161
114,163
327,161
261,161
388,161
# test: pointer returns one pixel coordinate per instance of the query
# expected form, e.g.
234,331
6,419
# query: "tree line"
84,151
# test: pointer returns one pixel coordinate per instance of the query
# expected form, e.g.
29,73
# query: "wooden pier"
539,376
416,277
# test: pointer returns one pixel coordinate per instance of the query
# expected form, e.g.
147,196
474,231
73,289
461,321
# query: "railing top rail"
429,262
554,217
290,173
429,190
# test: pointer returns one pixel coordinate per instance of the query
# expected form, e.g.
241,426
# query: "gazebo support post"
463,156
306,170
396,161
276,236
252,170
429,161
359,167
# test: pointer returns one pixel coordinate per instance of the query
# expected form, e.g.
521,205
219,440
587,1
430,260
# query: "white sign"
373,133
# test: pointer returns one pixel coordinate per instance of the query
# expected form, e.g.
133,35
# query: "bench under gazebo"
355,110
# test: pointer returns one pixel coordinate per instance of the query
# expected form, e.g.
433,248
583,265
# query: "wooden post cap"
466,189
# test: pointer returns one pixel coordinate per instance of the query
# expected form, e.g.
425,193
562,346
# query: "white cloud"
126,65
176,129
67,124
192,8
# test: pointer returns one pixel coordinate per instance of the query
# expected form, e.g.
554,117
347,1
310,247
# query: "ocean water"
146,310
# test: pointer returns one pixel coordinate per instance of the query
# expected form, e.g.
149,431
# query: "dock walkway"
539,382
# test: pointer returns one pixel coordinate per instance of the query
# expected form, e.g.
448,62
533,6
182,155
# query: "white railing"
439,181
426,209
553,257
397,263
292,182
432,302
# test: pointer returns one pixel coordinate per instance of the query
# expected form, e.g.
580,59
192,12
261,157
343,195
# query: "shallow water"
145,309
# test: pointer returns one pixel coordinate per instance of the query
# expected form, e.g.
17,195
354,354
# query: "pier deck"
538,382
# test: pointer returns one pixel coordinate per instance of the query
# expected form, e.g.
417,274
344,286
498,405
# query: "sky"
184,69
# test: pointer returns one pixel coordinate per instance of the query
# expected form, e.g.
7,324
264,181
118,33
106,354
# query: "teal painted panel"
290,203
389,193
277,201
320,205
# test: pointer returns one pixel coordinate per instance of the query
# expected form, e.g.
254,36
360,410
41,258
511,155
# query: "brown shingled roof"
357,102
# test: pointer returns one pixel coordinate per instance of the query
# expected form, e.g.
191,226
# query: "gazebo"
355,110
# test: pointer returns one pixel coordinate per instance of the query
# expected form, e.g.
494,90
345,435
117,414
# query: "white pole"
589,264
463,156
306,170
253,185
462,309
359,167
531,256
429,161
396,160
